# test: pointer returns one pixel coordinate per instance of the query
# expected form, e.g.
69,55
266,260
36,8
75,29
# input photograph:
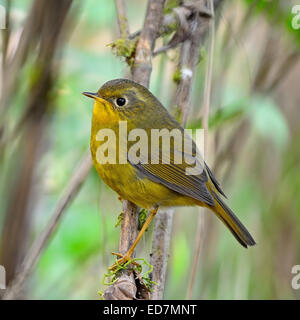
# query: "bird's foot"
122,260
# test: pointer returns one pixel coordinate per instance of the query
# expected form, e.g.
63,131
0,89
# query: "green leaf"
269,121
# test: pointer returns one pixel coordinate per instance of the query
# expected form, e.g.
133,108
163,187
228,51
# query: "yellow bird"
151,185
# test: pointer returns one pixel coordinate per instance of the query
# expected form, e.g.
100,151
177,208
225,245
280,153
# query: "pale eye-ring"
121,102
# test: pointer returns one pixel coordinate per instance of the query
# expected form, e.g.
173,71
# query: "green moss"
112,276
101,295
171,4
123,26
120,218
124,48
142,218
172,27
177,76
177,113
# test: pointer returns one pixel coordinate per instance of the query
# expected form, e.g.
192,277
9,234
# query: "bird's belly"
124,180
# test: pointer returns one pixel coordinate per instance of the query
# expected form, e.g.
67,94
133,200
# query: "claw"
123,259
117,254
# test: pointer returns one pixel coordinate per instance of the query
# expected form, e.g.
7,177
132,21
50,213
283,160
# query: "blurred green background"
253,149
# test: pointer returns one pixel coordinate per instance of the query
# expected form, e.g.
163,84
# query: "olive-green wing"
174,175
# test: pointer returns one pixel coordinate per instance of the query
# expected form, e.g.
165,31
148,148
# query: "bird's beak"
93,96
90,94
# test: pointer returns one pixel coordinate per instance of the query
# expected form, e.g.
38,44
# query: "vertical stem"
6,32
128,230
208,78
141,72
53,16
122,18
189,56
160,249
142,66
206,104
128,226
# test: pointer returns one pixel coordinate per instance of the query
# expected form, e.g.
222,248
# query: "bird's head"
122,99
125,100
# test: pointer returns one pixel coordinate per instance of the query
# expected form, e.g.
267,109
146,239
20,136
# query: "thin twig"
78,177
208,79
122,18
28,39
206,106
142,66
167,47
173,20
6,32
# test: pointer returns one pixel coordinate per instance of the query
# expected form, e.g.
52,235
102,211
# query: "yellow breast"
123,178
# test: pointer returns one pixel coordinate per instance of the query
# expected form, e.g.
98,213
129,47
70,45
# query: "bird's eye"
121,102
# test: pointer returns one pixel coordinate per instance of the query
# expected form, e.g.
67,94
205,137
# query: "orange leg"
128,254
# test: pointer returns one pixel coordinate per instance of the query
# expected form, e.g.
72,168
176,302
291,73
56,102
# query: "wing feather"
174,176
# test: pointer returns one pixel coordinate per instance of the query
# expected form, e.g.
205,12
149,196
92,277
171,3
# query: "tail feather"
236,227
